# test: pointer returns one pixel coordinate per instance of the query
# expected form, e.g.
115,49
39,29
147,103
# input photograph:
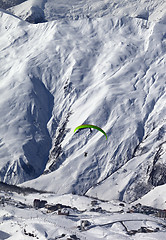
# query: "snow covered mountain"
48,10
96,62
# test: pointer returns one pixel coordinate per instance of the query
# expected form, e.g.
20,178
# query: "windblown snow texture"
100,63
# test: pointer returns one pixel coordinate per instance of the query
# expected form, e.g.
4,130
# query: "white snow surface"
155,198
49,10
101,63
20,220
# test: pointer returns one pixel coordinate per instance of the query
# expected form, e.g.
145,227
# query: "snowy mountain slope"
31,11
108,71
10,3
154,198
48,10
129,99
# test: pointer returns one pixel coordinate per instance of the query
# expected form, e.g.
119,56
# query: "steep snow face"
108,71
25,104
31,11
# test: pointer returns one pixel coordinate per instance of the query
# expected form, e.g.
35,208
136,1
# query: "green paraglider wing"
90,126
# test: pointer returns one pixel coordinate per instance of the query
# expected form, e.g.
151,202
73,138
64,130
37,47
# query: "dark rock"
37,203
121,205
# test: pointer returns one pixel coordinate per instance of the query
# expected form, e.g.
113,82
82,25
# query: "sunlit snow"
67,63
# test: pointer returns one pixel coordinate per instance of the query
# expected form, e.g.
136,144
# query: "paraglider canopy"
90,126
